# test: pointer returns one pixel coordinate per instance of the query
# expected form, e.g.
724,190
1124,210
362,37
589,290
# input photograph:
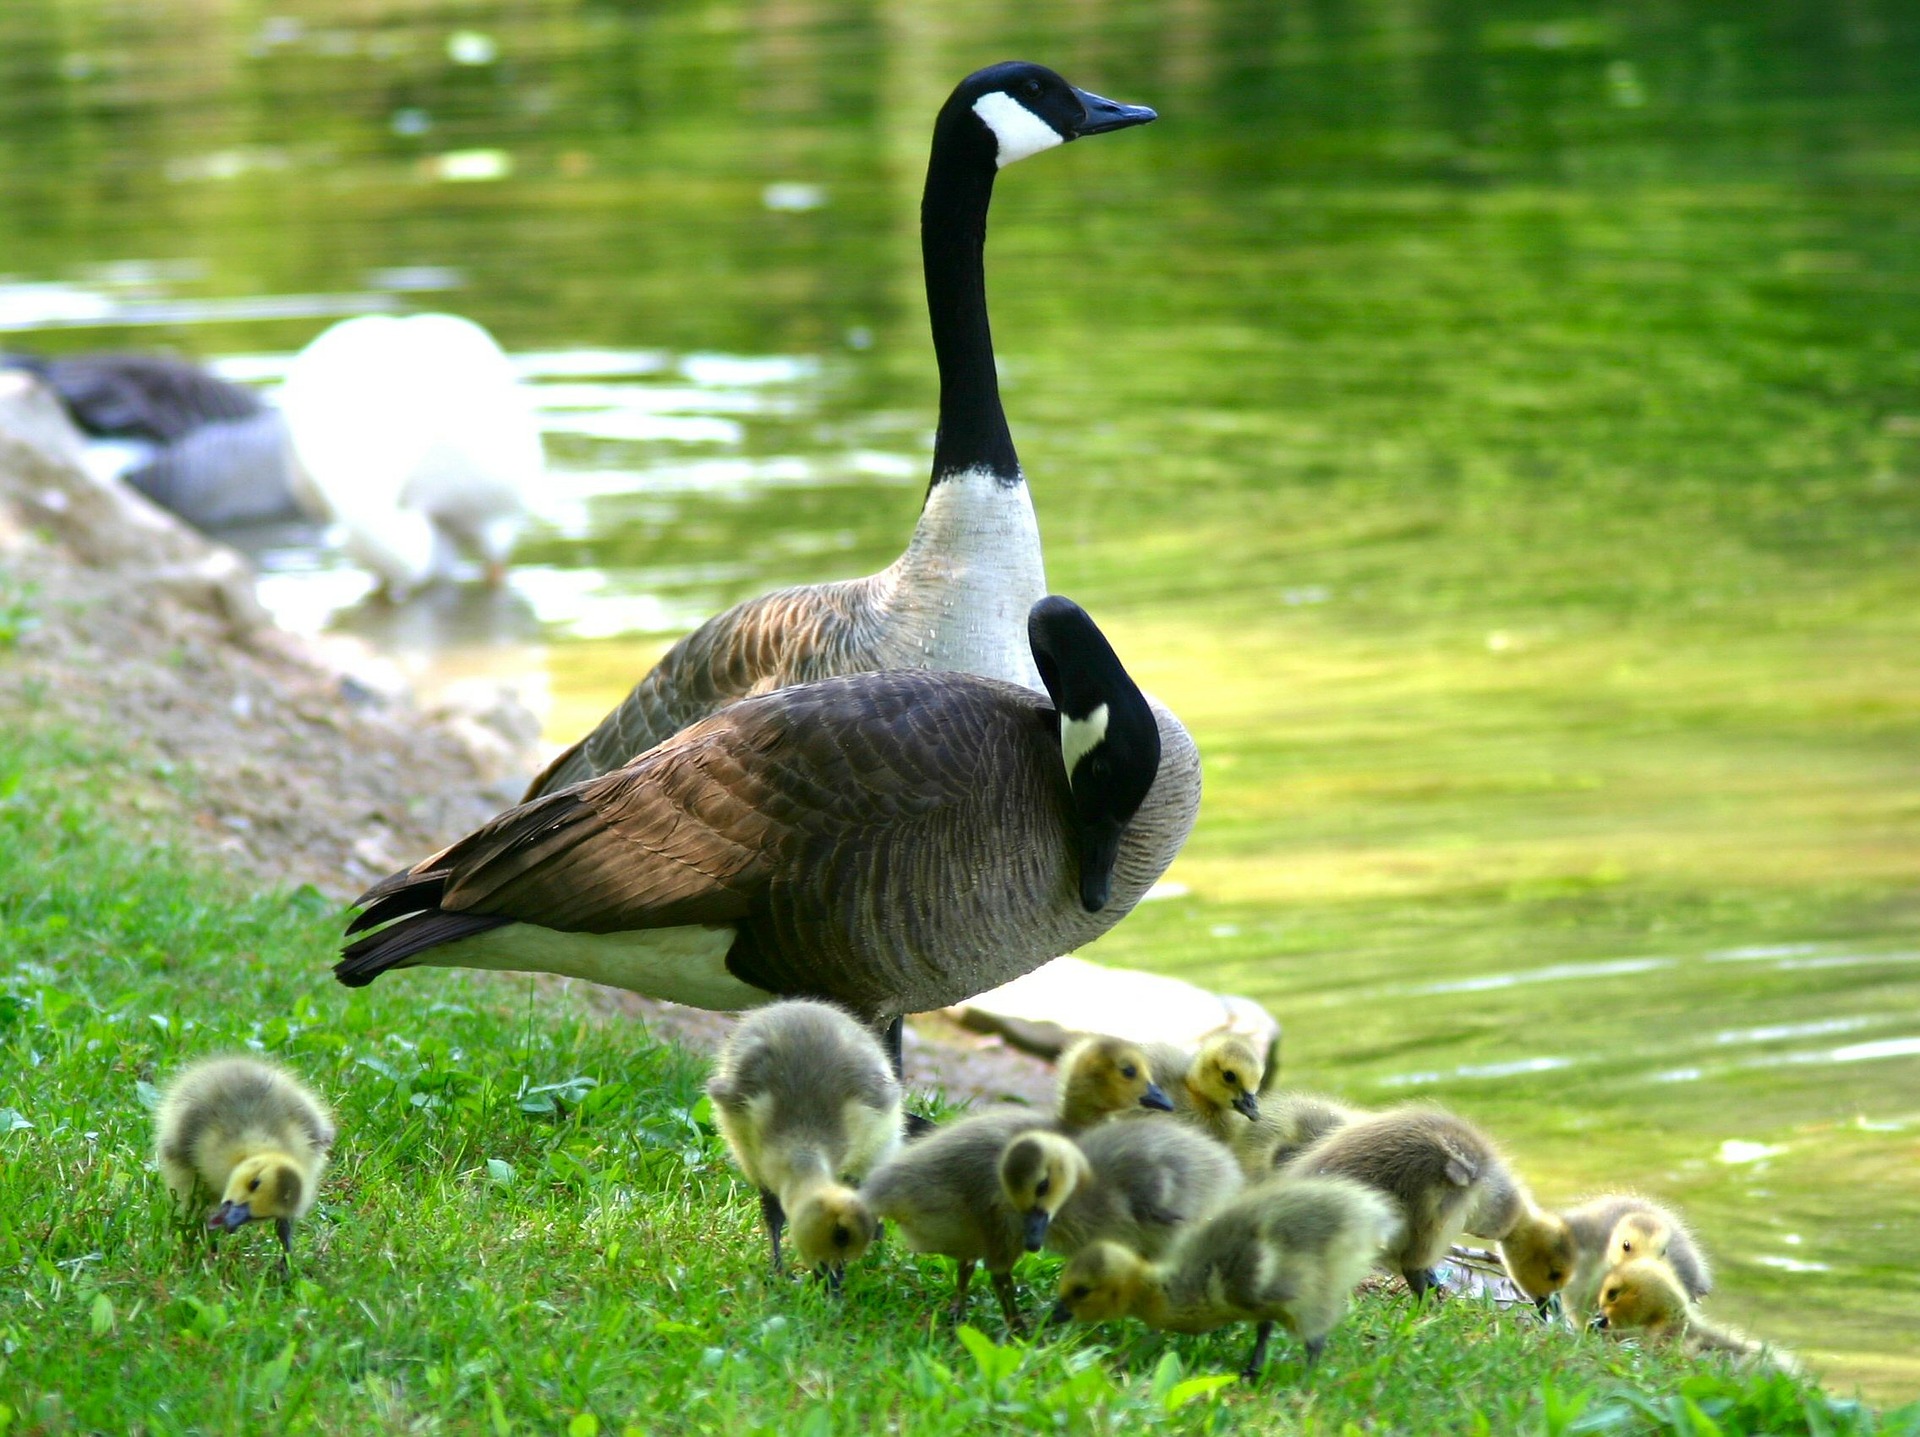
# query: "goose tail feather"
398,944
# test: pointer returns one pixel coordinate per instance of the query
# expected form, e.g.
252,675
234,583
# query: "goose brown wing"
791,637
782,800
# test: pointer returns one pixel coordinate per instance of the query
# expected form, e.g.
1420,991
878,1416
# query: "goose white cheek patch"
1019,131
1079,737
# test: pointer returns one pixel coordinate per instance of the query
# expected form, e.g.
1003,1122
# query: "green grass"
528,1228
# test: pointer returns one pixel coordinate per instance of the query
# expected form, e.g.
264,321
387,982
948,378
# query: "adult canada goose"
212,452
804,1096
248,1131
888,842
419,438
957,597
1286,1251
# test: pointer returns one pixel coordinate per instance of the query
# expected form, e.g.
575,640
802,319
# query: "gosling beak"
1156,1098
1059,1315
1599,1323
1037,1221
230,1217
1104,115
1247,1105
1548,1307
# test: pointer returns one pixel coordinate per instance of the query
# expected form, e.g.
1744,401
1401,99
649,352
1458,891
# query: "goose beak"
1548,1307
1099,847
1599,1323
1248,1106
1037,1222
230,1217
1156,1098
1104,115
1059,1315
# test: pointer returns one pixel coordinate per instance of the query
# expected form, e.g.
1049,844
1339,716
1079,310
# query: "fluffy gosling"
250,1132
1646,1295
1655,1232
803,1094
1101,1077
1536,1246
1287,1251
1436,1168
1216,1089
1132,1183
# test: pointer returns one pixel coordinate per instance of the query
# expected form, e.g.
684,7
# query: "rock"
106,525
1050,1006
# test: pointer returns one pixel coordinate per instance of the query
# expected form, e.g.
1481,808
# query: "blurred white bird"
419,440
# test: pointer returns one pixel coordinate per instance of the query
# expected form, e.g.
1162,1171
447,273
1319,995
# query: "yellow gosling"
1645,1295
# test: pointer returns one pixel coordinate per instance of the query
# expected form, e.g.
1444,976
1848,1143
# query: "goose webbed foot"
962,1280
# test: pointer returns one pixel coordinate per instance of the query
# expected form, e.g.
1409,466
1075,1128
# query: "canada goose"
956,598
1646,1295
1292,1121
420,440
1102,1076
209,451
1594,1223
1132,1183
1216,1088
888,842
804,1096
1437,1168
251,1133
942,1193
1537,1247
1288,1251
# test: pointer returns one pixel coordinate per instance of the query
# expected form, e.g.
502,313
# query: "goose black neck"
973,432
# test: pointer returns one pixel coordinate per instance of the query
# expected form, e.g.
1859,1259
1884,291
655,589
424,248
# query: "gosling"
1101,1077
252,1133
1656,1231
1287,1251
1436,1168
943,1192
1293,1121
803,1095
1132,1183
1646,1295
1537,1247
1216,1089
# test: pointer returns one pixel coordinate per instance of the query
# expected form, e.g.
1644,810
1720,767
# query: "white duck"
419,440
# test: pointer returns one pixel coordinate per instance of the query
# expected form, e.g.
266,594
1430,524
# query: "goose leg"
1315,1347
893,1039
1003,1289
1257,1359
1421,1281
283,1229
963,1279
776,1218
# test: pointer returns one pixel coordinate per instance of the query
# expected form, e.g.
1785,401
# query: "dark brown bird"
890,842
957,598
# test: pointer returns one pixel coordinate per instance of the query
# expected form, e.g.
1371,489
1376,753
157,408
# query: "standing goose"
888,842
956,598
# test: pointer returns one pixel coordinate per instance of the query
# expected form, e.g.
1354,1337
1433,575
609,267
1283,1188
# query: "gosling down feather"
1288,1251
888,842
957,597
1136,1184
804,1096
250,1133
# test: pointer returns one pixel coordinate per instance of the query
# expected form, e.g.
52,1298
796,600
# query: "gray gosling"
1646,1295
1132,1183
1293,1121
1537,1247
1286,1251
1101,1077
942,1191
804,1095
250,1132
1654,1231
1437,1169
1216,1089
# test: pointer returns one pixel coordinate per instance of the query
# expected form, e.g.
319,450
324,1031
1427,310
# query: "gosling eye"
254,1186
1626,1247
1613,1294
1043,1187
1080,1291
1129,1071
1233,1078
841,1237
1553,1275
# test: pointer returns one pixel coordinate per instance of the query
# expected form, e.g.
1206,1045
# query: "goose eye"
1043,1187
1129,1071
1033,87
1626,1247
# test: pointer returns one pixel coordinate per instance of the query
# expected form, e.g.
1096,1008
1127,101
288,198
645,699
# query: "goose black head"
1023,108
1109,739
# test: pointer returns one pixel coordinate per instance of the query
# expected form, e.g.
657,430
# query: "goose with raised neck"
957,598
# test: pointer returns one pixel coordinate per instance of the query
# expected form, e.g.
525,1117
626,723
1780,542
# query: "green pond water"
1494,427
